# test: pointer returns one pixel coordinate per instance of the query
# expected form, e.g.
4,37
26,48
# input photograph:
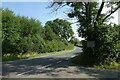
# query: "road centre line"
24,73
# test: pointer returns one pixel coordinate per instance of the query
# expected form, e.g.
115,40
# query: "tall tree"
22,34
87,14
61,28
10,30
49,34
92,26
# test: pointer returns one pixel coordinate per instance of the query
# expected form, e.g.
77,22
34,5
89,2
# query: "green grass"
85,61
115,65
13,57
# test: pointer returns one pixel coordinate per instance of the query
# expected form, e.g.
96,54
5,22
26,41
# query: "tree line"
22,34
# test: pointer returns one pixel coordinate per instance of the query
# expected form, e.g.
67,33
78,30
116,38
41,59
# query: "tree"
87,14
18,32
75,41
21,34
10,30
61,28
90,17
49,34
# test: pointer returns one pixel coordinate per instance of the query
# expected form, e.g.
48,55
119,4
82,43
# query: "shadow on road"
53,67
33,64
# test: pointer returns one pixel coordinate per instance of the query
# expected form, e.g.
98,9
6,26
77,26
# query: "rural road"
53,66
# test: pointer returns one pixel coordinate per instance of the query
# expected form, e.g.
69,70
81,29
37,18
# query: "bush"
54,45
107,46
117,47
22,35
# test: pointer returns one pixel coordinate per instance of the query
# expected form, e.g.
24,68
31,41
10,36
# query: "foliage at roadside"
84,60
28,55
93,26
76,42
61,28
25,35
107,48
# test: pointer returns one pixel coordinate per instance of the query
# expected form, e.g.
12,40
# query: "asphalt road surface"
53,66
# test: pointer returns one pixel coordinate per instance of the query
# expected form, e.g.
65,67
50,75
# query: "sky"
39,10
35,10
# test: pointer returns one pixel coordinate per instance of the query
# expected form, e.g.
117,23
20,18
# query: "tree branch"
111,13
100,10
60,6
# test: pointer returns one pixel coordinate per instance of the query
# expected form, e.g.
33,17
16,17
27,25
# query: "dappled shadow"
38,65
101,73
53,67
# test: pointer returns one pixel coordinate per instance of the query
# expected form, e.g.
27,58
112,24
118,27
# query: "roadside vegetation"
83,60
24,37
94,26
76,42
28,55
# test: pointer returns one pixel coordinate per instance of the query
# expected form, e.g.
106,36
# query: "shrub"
22,35
107,46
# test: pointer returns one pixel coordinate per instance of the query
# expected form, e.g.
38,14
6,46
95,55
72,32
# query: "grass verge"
82,60
13,57
112,66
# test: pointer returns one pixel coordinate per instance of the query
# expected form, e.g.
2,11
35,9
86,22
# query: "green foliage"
61,28
54,45
10,31
106,37
49,34
114,65
24,35
107,45
75,41
84,60
93,27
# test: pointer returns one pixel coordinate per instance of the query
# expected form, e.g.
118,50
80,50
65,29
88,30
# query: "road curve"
53,66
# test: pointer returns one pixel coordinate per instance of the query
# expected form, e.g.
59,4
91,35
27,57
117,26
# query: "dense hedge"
23,34
52,46
107,45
